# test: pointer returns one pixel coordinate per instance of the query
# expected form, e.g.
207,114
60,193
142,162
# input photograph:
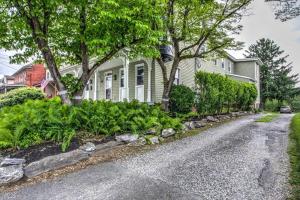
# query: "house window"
122,78
140,75
177,77
108,85
223,64
87,87
215,62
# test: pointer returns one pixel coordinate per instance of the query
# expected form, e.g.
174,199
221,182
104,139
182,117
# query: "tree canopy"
199,29
277,82
74,32
286,9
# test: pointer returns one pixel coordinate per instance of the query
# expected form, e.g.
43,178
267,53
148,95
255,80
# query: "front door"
139,86
122,85
108,85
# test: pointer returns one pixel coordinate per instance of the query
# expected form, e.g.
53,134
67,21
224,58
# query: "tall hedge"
217,93
19,96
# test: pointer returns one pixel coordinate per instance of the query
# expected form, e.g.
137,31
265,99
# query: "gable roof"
28,66
257,60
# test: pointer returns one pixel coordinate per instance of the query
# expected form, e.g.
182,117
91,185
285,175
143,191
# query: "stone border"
14,169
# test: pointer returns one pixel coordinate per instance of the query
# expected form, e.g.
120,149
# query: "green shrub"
216,93
296,104
181,99
19,96
49,120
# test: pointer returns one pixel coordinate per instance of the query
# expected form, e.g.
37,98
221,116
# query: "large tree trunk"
78,97
40,36
49,58
165,104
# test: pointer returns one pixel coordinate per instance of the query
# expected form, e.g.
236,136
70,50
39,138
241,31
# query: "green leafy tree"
285,9
198,29
285,84
84,32
276,81
271,56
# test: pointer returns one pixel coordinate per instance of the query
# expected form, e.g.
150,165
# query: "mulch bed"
38,152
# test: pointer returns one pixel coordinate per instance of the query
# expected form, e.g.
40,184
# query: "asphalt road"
238,160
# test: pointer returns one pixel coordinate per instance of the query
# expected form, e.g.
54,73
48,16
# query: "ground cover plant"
38,121
268,118
294,153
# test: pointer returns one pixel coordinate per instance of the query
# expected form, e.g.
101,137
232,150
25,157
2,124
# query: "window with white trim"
223,63
215,62
140,75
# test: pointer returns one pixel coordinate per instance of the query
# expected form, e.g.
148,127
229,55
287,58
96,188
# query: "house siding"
187,75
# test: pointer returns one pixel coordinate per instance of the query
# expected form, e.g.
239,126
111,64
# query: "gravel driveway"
238,160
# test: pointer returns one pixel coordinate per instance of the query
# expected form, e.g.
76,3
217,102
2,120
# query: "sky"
260,23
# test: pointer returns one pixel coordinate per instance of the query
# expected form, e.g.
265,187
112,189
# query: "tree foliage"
285,9
198,29
82,32
276,79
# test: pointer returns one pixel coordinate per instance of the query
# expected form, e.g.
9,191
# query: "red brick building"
30,75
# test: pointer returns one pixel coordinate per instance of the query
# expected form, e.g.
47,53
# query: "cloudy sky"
261,23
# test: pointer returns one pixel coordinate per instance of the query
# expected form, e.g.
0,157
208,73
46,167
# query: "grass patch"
267,118
294,153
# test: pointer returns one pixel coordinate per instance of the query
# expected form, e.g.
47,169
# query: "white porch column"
126,72
149,84
95,85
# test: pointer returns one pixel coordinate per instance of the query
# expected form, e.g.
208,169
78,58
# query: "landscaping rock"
226,117
88,147
54,162
12,161
151,131
127,138
154,140
167,132
212,119
192,125
189,125
204,121
11,173
141,141
186,126
199,124
105,147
